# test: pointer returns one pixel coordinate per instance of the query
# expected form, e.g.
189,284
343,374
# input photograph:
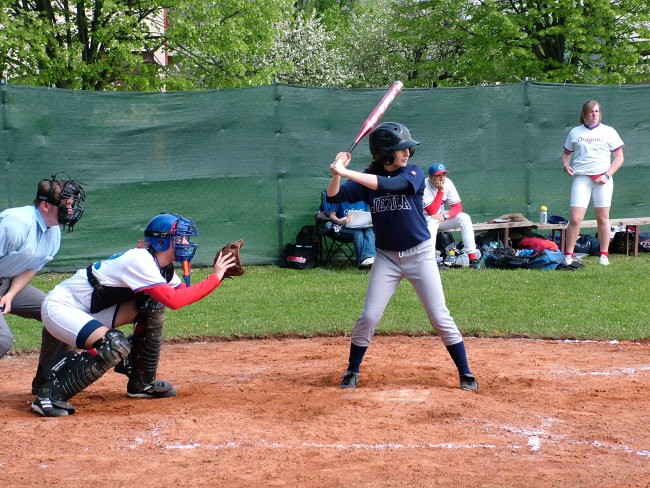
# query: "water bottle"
543,215
481,263
450,260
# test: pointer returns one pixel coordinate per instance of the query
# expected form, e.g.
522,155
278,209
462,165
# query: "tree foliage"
223,44
110,44
305,53
460,42
90,44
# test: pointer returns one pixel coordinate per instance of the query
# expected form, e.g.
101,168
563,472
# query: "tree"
108,45
371,57
223,44
487,41
90,45
304,53
578,41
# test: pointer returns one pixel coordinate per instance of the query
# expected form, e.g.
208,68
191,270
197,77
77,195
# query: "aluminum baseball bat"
377,112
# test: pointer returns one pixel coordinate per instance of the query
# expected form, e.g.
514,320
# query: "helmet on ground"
67,195
388,137
167,229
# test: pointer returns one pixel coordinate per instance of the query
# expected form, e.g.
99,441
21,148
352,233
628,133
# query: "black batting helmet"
388,137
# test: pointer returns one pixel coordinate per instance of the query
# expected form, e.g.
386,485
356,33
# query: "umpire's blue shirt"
26,243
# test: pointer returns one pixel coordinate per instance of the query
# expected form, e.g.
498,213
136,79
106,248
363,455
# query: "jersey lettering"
389,203
590,140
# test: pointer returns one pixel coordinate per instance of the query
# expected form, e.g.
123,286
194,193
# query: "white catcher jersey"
135,269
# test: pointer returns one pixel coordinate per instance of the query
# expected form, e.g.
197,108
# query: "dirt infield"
270,413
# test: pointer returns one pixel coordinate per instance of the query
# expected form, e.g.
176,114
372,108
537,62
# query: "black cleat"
349,380
45,406
157,389
468,382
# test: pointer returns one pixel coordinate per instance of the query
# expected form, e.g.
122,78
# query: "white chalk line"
537,440
534,444
626,371
537,437
390,446
616,372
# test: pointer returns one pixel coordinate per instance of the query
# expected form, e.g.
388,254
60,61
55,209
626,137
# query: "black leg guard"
75,372
145,354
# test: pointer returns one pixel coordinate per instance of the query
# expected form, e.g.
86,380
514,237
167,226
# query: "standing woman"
394,189
592,146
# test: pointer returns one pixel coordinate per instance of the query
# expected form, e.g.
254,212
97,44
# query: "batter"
394,189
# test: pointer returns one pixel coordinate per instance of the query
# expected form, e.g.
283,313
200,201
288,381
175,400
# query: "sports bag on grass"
299,256
509,258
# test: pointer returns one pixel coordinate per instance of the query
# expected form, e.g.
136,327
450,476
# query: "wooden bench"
502,228
592,224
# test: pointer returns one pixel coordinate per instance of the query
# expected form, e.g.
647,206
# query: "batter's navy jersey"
397,218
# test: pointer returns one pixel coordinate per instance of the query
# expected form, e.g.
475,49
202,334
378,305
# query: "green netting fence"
251,163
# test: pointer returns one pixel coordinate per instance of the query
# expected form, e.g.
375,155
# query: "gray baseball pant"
27,304
418,265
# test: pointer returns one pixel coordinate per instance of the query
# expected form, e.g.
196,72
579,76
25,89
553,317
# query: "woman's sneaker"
569,260
603,259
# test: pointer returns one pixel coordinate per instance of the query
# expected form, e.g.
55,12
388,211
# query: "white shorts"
584,187
64,317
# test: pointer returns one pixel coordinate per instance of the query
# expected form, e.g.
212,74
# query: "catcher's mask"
388,137
67,195
166,230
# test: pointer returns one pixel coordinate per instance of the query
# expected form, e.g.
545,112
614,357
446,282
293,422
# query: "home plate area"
270,413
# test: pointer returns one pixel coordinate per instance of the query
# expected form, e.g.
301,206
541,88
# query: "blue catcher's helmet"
168,229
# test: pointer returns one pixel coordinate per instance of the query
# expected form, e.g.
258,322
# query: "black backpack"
303,254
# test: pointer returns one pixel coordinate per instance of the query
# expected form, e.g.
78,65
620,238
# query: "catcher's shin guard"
75,372
143,361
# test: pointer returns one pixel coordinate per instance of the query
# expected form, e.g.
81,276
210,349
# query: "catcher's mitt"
232,248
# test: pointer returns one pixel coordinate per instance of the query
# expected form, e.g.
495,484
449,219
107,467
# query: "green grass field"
596,302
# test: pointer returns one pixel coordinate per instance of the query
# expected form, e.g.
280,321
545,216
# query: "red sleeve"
182,295
434,206
455,209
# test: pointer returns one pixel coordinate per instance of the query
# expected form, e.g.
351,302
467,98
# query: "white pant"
64,316
462,221
583,187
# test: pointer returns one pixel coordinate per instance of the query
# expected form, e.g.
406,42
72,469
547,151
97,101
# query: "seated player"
363,237
438,192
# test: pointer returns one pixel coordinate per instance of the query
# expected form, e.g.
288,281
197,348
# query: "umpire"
30,237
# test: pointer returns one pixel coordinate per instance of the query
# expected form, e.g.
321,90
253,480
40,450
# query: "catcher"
133,286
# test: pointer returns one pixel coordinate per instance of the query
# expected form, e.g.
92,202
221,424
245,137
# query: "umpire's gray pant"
27,304
418,265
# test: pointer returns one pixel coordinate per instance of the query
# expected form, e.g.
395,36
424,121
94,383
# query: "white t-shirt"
592,148
449,197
